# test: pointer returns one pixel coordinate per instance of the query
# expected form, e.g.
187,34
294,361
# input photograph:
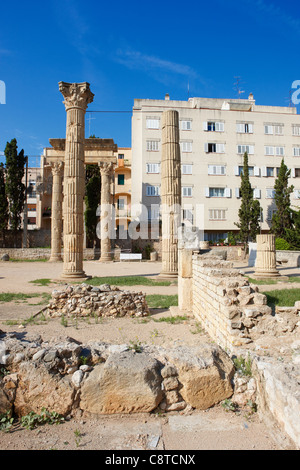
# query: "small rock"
39,355
77,378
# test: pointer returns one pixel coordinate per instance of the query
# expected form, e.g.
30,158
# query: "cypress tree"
92,200
282,219
15,189
249,211
3,202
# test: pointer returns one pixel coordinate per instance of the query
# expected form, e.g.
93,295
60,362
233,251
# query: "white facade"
214,134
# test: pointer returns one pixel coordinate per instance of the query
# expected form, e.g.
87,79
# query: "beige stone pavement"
213,429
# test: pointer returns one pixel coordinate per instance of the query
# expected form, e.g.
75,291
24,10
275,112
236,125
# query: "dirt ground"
214,429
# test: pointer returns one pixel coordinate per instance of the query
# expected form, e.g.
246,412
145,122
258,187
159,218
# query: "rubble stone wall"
102,301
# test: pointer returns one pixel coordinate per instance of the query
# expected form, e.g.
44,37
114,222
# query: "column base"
168,275
105,259
75,277
54,259
271,276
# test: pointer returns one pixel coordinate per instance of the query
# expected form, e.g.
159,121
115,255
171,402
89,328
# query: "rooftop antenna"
188,89
89,119
290,100
237,87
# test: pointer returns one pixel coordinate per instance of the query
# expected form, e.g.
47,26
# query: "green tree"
250,210
15,189
3,202
92,200
282,219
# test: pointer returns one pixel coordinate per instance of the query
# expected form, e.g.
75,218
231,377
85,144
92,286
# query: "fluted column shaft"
77,96
56,212
170,192
265,265
106,170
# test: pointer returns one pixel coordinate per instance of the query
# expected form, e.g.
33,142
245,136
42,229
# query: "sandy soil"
196,430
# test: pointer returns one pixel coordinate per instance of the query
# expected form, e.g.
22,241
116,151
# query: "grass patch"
41,282
161,301
263,282
126,281
19,296
13,297
16,260
283,297
172,320
294,279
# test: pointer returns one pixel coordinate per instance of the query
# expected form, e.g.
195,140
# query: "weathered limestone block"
205,373
38,388
128,382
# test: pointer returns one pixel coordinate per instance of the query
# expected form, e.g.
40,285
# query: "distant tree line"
285,222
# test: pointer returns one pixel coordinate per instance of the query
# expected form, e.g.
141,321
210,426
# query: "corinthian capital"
76,95
57,168
106,168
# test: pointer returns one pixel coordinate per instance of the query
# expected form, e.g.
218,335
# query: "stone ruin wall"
103,301
221,298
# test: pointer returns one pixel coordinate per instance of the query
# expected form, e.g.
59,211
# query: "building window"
297,193
121,203
186,146
152,123
244,128
187,169
186,125
270,193
121,179
296,151
152,145
187,191
153,212
216,192
270,171
121,156
153,168
214,148
273,129
296,172
187,215
217,214
270,150
213,126
250,169
241,149
152,190
295,130
216,169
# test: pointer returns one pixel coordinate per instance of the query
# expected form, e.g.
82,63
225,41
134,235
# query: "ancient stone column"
265,266
106,222
56,211
77,97
170,192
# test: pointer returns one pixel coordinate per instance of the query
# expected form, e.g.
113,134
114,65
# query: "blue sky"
135,49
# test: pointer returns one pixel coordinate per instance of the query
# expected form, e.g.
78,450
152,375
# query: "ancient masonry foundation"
219,296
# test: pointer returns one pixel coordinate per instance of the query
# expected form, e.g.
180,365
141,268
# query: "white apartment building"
214,134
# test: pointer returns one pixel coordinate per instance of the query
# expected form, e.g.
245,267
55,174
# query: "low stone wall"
42,253
288,258
103,301
64,376
227,305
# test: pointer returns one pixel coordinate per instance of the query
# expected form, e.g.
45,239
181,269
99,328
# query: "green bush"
281,244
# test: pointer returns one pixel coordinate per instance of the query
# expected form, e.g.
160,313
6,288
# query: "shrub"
281,244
